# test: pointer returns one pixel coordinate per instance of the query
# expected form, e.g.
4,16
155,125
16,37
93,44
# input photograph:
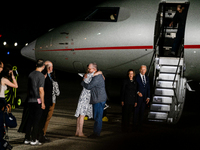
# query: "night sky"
23,23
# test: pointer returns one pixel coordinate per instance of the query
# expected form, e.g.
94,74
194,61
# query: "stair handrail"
151,63
178,65
154,53
176,75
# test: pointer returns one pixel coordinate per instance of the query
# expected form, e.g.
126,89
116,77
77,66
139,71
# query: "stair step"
164,76
160,107
165,92
154,120
170,61
158,115
162,99
165,84
171,30
169,69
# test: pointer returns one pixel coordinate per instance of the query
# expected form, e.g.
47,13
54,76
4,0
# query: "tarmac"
61,129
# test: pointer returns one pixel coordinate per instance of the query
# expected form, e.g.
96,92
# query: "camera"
7,146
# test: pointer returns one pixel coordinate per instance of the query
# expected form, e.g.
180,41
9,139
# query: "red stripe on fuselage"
103,48
118,47
192,46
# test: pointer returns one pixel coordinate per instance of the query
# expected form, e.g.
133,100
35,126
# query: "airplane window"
107,14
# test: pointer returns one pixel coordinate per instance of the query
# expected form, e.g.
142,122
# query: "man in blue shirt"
98,98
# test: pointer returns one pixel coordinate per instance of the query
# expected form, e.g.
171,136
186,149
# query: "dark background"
24,22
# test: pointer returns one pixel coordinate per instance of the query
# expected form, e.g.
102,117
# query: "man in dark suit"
143,95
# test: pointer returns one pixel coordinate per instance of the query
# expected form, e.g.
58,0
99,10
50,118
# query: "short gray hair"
94,65
143,66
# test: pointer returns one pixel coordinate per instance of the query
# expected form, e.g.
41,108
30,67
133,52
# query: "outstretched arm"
98,73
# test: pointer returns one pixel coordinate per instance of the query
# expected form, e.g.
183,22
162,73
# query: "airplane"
124,34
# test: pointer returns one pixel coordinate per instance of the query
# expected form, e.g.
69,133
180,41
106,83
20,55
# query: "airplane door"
166,36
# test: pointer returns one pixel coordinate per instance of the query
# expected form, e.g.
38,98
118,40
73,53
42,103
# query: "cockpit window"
105,14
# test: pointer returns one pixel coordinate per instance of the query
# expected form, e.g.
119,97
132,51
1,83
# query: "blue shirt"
97,87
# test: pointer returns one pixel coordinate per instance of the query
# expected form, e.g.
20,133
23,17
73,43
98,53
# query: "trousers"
139,112
127,112
98,115
178,39
35,113
50,113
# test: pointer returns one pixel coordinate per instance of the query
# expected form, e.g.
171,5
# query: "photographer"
7,79
9,120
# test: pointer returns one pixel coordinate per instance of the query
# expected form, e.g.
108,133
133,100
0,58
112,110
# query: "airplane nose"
29,51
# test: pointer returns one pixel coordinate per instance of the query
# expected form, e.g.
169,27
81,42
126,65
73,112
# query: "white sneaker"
27,141
35,143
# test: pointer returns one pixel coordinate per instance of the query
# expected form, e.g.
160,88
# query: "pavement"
62,126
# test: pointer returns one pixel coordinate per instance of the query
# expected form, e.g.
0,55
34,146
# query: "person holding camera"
6,120
7,79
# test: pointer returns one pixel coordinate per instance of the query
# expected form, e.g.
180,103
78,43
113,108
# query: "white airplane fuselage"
115,46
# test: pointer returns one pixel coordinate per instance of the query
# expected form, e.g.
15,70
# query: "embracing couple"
92,100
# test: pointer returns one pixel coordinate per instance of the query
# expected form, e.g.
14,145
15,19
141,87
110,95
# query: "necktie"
143,80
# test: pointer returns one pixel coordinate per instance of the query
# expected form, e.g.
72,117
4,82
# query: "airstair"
170,88
169,84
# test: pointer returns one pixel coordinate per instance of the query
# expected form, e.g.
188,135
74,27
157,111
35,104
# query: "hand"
135,105
8,108
147,100
43,106
171,24
122,103
11,72
85,76
140,94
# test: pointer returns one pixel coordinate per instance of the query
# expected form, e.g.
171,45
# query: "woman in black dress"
128,99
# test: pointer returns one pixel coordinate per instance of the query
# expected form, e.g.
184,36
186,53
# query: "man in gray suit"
98,98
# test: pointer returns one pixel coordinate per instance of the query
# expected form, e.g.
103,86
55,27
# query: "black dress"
129,97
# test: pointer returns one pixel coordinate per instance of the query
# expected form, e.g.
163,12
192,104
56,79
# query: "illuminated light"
85,38
8,53
26,44
0,35
98,33
4,43
15,44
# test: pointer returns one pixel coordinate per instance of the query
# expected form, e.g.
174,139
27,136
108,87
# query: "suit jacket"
97,87
129,92
145,90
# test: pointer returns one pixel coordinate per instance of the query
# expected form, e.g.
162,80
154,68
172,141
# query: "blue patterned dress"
84,108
